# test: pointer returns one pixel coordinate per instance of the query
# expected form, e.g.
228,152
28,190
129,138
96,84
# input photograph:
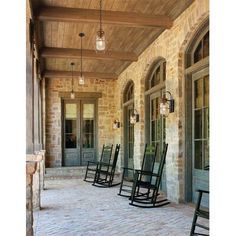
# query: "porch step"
75,172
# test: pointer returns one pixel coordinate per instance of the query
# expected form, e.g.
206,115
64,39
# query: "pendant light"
72,94
100,38
81,77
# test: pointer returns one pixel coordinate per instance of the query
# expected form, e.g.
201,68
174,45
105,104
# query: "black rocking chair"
92,165
105,172
145,190
199,212
148,162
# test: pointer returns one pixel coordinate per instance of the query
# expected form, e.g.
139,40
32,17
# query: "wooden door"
200,130
79,132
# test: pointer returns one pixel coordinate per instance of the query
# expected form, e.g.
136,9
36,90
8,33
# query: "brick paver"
73,207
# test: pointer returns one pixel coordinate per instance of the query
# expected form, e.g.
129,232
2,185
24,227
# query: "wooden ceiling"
130,27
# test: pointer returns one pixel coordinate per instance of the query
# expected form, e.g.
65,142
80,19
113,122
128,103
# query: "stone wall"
106,110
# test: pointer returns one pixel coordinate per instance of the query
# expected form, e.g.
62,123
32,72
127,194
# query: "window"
202,49
158,75
129,92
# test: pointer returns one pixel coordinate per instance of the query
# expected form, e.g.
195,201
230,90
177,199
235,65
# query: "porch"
66,209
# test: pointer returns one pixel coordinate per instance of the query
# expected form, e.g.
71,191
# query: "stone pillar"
37,158
30,170
42,168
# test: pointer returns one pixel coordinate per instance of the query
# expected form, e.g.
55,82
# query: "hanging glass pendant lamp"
81,77
100,38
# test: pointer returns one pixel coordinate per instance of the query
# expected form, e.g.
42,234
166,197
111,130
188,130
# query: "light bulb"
72,95
100,42
81,80
164,109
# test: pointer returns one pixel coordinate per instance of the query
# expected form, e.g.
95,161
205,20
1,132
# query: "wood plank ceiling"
130,27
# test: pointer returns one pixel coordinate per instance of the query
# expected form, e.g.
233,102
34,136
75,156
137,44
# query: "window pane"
206,45
70,126
164,71
71,111
152,109
88,111
198,124
198,93
198,155
206,91
157,108
153,136
156,77
206,154
198,53
88,140
70,141
206,123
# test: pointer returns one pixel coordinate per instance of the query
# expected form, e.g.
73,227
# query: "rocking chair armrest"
126,168
93,162
104,164
144,172
203,191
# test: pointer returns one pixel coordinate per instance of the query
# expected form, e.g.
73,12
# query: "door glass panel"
206,154
130,135
70,126
198,124
71,111
198,93
88,126
70,141
157,129
206,45
198,154
206,123
206,91
201,122
198,53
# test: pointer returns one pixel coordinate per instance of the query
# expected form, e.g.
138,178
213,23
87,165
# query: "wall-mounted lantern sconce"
167,105
134,118
116,124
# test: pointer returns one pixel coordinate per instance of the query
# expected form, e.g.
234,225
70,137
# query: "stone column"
37,158
30,170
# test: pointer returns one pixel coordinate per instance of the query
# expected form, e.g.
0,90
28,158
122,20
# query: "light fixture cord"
72,76
81,58
100,15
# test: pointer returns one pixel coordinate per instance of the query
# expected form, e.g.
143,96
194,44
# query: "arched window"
129,92
202,49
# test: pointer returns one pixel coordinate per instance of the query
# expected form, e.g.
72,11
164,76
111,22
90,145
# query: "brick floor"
72,207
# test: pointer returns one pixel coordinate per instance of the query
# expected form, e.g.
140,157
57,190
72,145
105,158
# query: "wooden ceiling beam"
71,53
131,19
67,74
